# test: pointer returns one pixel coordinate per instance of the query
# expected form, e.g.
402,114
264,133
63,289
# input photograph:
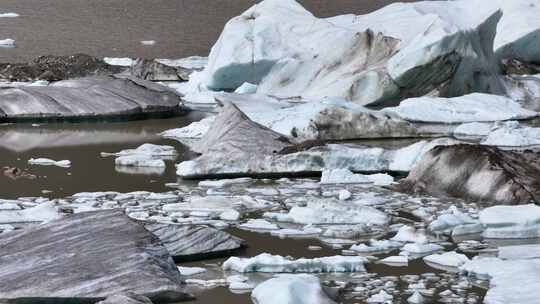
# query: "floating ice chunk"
397,260
306,231
207,283
332,211
191,63
511,281
7,43
381,298
451,219
518,252
44,212
467,229
119,61
472,130
408,234
376,246
344,195
230,215
475,107
447,259
239,284
345,176
503,222
9,15
274,263
222,183
512,134
258,224
195,130
139,161
246,88
416,248
146,155
148,150
291,289
49,162
148,42
189,271
416,298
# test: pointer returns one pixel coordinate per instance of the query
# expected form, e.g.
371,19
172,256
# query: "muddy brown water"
115,28
82,144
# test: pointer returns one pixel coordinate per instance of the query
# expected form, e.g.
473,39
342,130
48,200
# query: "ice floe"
344,176
511,221
272,263
297,289
464,109
49,162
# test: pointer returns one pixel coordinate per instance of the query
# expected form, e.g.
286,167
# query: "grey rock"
477,172
195,242
90,255
52,68
87,98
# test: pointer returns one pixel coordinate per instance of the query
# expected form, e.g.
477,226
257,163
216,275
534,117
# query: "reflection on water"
26,137
82,145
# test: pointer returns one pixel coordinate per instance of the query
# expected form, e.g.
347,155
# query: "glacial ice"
273,263
293,289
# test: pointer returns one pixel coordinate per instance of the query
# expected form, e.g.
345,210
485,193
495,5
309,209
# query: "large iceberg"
382,57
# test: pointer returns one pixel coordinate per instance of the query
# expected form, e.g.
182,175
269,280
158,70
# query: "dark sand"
115,28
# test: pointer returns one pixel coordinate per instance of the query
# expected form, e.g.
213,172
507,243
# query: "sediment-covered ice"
476,172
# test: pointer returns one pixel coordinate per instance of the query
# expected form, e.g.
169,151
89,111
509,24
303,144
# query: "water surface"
115,28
